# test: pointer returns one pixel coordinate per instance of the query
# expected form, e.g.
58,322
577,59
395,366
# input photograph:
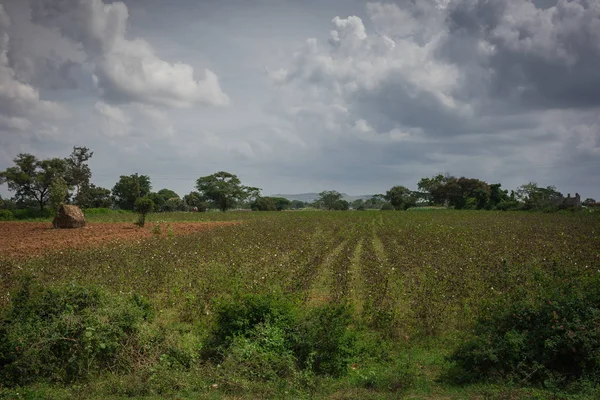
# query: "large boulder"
69,217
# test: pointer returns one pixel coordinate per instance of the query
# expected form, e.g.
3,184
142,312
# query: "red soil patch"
24,239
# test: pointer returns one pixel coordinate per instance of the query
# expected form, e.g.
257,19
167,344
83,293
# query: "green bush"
64,333
6,215
551,338
31,213
324,344
268,334
387,207
143,206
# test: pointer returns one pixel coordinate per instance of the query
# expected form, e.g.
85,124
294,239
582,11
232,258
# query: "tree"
223,189
375,202
297,204
328,198
31,178
497,195
143,206
195,199
588,202
78,174
358,203
537,198
400,197
263,204
341,205
161,199
129,188
428,186
167,194
98,197
59,192
457,192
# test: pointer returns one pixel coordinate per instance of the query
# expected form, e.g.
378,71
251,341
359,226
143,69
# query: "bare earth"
23,239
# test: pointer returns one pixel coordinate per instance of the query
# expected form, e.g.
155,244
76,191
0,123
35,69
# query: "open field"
415,282
32,239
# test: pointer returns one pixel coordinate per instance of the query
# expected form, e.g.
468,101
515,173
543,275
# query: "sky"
304,96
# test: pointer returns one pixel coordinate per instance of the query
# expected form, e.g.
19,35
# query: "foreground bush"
271,337
6,215
61,334
552,338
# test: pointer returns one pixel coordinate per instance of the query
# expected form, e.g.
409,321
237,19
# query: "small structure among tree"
572,202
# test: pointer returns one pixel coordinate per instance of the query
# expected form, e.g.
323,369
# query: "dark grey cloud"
539,57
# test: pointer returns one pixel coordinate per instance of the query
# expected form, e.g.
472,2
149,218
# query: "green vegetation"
421,304
143,206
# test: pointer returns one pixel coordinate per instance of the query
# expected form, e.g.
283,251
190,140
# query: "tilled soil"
27,239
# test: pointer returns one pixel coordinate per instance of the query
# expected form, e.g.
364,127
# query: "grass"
416,282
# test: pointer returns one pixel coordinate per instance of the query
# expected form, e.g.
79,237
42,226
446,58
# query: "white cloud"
127,70
20,102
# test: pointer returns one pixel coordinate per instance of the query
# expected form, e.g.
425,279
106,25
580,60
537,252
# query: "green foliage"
32,213
129,188
223,189
143,206
329,199
271,329
58,193
537,198
325,343
264,204
341,205
195,199
6,215
387,207
96,197
78,175
551,337
104,211
65,333
31,178
401,198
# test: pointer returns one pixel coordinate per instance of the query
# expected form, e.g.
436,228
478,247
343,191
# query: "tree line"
45,184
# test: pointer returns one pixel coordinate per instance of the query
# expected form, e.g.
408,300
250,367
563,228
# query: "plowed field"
24,239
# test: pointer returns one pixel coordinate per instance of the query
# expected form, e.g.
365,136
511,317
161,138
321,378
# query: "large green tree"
400,197
129,188
534,197
428,186
98,197
223,189
31,178
329,199
79,174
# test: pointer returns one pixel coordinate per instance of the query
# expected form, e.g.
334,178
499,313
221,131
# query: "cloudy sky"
296,96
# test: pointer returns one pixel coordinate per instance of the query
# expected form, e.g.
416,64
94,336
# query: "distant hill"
310,197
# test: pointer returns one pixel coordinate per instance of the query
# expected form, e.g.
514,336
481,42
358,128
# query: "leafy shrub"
269,334
552,338
62,334
239,318
6,215
325,345
143,206
32,213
